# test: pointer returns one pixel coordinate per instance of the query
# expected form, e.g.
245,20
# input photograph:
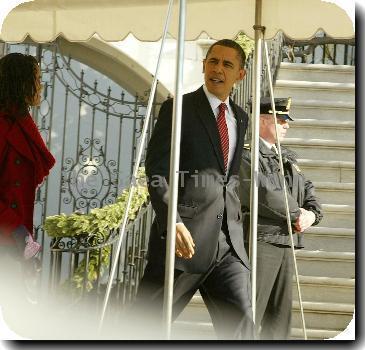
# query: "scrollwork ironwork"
80,243
92,180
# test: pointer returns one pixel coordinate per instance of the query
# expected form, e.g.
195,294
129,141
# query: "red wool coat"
24,162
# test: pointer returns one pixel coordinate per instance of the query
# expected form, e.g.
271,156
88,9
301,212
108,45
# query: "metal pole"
285,190
137,162
255,152
174,176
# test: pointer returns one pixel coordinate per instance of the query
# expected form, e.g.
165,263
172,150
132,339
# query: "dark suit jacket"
204,193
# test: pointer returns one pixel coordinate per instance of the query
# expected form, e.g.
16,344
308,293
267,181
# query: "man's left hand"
305,220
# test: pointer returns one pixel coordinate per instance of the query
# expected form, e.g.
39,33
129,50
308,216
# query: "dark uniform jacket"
272,224
205,196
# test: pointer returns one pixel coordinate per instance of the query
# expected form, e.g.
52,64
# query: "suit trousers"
273,291
225,289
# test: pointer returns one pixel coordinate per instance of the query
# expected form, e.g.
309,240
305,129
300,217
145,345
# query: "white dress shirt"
231,121
270,146
267,144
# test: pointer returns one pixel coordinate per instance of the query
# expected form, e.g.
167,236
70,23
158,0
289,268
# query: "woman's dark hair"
233,45
17,83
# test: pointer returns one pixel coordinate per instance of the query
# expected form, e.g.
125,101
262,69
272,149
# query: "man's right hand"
184,242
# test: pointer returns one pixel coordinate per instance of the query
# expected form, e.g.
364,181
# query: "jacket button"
17,161
17,183
220,216
13,205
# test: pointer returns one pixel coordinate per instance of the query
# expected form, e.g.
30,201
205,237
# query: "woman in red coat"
24,163
24,158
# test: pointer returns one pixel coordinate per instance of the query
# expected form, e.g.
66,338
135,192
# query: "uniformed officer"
274,256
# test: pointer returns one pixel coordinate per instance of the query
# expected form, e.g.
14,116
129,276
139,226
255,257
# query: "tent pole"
137,163
285,191
255,151
174,175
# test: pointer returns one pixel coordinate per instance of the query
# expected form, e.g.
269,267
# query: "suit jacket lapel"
240,140
208,119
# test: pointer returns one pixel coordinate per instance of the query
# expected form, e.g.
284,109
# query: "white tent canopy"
113,20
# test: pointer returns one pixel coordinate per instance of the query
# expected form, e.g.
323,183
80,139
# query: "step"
301,89
348,333
335,193
195,323
323,315
325,289
314,334
316,72
331,239
321,148
338,215
187,330
322,129
331,170
195,311
326,264
323,109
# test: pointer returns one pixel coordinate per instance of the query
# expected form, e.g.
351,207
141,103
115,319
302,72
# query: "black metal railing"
81,265
275,50
321,49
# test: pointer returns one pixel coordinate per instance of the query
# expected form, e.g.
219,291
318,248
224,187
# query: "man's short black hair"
232,44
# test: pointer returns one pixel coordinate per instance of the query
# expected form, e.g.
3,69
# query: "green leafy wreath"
99,221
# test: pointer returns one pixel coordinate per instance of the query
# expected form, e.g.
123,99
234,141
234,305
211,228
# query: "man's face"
221,70
267,128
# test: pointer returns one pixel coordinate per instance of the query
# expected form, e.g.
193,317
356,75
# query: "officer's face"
221,70
267,128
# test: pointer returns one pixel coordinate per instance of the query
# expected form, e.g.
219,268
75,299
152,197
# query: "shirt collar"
214,101
267,144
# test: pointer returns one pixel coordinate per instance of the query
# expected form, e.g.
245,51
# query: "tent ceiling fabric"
113,20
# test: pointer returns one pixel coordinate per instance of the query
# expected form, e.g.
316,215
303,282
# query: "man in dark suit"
210,253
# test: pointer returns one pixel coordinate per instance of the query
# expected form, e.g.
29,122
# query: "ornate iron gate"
91,125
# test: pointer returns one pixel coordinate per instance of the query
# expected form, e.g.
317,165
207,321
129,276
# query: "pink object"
31,248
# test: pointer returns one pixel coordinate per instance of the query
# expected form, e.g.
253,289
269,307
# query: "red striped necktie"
223,133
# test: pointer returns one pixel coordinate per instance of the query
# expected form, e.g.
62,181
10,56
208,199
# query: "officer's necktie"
274,149
223,132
